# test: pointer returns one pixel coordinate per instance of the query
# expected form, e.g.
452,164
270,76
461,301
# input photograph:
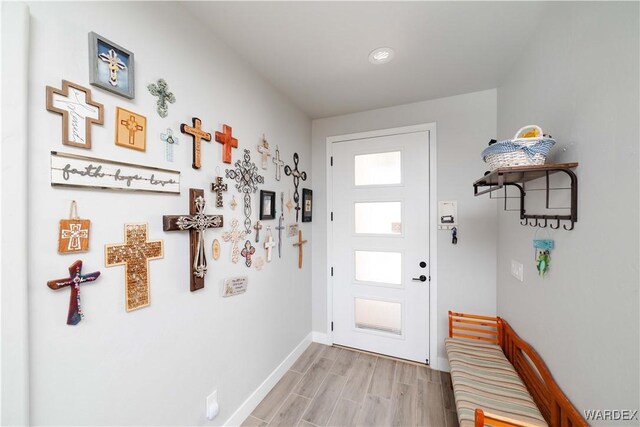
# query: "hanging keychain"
73,233
542,251
454,236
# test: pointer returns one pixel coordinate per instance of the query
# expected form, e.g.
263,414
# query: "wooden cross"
198,134
218,187
263,149
247,179
74,233
170,140
135,254
280,226
196,223
78,112
297,176
75,279
279,164
248,252
161,90
234,236
114,64
257,227
269,243
228,142
133,127
299,244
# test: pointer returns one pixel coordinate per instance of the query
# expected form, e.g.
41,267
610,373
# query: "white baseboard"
263,389
443,364
320,337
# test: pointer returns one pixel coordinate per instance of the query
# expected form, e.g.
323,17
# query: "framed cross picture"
267,204
307,205
110,66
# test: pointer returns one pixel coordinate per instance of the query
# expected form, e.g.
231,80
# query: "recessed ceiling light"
381,55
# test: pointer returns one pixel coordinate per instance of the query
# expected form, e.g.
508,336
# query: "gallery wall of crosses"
201,190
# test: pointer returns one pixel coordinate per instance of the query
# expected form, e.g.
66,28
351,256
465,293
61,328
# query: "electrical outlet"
517,270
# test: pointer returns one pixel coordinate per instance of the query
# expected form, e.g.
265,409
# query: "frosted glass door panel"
379,267
378,218
378,315
378,168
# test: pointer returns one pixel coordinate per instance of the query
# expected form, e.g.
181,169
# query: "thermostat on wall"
447,215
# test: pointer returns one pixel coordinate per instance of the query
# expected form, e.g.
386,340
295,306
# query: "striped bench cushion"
483,378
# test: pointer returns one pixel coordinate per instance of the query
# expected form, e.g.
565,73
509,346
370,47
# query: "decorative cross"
74,233
161,90
247,178
233,203
248,252
75,279
170,140
263,149
234,236
257,227
259,263
218,187
269,243
279,163
114,64
198,134
297,176
280,226
133,127
299,244
135,254
228,142
78,111
196,223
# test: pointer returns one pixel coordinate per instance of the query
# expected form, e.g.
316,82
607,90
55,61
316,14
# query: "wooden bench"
499,380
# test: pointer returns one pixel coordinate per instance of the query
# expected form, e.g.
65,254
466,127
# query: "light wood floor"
338,387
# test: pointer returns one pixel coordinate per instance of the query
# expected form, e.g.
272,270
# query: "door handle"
422,278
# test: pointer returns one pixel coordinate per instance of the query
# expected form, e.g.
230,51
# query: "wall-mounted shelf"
517,177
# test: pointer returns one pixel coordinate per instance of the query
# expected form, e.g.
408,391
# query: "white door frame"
433,205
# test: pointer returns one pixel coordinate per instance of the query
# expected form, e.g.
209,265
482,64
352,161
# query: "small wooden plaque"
73,235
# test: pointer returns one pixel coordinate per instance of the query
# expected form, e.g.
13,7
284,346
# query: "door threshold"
384,356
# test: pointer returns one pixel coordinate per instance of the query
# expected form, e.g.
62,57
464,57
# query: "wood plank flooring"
329,386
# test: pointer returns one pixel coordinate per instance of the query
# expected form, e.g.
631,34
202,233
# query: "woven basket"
518,157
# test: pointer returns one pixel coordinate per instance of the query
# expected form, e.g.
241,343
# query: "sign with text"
235,286
80,171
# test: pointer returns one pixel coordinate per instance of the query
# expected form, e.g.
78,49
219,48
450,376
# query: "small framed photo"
307,205
267,204
111,66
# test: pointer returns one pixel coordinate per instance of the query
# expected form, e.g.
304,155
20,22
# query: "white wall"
466,272
578,79
156,365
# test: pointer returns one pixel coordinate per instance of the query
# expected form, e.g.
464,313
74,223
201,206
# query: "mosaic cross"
196,223
198,134
233,236
279,164
247,178
75,279
263,149
74,233
135,254
170,140
114,64
78,112
218,187
257,227
247,252
269,244
280,226
228,142
133,127
297,176
299,244
161,90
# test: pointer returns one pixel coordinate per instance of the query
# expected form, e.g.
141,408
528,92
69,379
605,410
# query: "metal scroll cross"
198,134
234,236
297,176
299,244
228,141
257,227
218,187
280,226
133,127
263,149
247,179
114,64
75,279
196,223
279,163
134,254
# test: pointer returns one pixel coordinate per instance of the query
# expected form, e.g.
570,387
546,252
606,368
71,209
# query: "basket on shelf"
528,147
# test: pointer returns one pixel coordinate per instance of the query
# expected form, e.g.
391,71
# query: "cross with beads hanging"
133,127
297,176
218,187
114,64
196,223
135,254
161,90
198,134
247,178
75,279
234,236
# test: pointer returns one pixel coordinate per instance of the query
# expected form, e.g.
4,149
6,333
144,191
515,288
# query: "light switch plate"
517,270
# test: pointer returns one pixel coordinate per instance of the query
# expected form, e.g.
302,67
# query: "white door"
380,246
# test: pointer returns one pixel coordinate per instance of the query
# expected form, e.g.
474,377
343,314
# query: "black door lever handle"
422,278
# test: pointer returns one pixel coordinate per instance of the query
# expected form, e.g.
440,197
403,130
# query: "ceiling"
316,53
